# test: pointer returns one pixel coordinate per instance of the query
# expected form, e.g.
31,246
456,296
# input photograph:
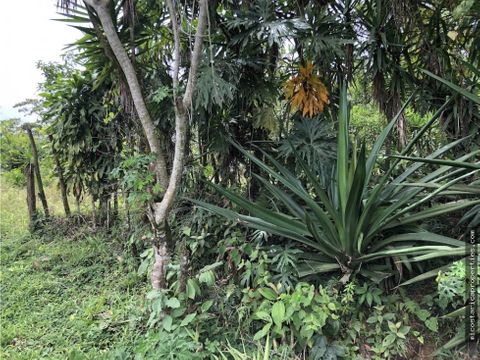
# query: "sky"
28,34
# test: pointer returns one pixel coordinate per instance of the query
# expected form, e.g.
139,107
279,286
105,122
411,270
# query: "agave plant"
356,225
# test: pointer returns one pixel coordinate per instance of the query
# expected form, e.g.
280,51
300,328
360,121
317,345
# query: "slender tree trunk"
402,132
182,282
103,210
102,7
108,209
394,106
127,213
158,212
115,206
77,201
254,183
94,213
182,105
41,192
61,179
31,200
216,175
115,203
388,151
163,238
162,209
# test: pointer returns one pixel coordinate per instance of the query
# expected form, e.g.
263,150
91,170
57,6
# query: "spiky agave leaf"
356,227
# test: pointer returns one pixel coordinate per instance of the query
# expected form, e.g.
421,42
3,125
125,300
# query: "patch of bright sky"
28,34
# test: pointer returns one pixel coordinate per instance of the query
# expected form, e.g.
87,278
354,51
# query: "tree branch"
101,7
176,46
197,52
181,106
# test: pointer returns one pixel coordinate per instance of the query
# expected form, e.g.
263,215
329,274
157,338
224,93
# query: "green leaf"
392,326
457,88
191,285
432,324
206,306
173,303
263,315
452,163
187,230
142,269
207,277
342,149
188,319
369,298
331,306
422,314
433,211
263,332
417,238
425,275
388,340
404,330
278,313
268,293
153,294
167,322
372,157
266,355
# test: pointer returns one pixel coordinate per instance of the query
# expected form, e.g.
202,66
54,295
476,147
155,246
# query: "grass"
13,207
13,210
64,295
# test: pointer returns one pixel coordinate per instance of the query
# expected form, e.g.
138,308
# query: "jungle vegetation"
254,179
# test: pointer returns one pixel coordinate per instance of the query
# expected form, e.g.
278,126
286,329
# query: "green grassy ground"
64,295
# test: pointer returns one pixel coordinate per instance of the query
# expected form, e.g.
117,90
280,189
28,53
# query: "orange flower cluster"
306,92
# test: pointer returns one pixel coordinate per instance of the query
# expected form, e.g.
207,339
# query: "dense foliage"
253,180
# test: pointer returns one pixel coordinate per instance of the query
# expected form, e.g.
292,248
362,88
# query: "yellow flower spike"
306,92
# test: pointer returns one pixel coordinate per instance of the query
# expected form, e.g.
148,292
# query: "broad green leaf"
188,319
167,322
172,303
267,293
263,332
432,324
206,306
263,315
278,313
191,289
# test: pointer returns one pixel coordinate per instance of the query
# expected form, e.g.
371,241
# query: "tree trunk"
402,132
159,211
36,165
103,12
103,217
77,201
61,179
255,184
182,279
94,213
162,240
388,152
31,200
115,206
127,213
